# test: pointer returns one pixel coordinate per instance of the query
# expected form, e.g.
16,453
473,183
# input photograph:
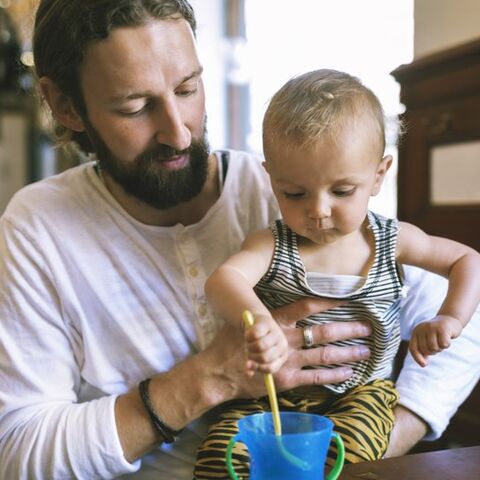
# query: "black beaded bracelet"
164,430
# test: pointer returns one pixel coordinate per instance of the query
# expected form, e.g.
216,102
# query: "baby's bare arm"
229,289
461,265
230,292
453,260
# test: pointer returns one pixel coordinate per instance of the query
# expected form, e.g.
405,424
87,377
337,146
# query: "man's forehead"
131,93
159,51
136,42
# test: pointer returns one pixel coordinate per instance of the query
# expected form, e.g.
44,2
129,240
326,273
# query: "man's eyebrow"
195,73
148,93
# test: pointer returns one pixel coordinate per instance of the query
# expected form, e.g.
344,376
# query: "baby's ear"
382,169
61,105
265,166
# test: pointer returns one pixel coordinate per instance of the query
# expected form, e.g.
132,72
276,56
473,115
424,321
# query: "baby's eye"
294,195
344,192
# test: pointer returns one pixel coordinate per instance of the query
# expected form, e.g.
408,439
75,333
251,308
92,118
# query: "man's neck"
186,213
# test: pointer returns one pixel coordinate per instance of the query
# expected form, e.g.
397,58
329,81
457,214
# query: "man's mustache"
164,151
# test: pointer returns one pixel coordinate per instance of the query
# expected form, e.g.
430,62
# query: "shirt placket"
195,276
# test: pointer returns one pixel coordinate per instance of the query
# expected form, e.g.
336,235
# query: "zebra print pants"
363,417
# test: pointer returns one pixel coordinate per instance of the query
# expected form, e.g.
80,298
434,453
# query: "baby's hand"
267,346
433,336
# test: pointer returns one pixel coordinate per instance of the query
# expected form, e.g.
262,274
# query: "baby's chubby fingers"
267,361
431,344
267,355
257,332
417,350
444,340
273,366
264,336
421,359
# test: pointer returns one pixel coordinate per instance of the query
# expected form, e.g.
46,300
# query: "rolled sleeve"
436,391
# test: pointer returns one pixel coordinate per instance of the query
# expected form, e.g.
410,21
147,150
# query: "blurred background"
249,48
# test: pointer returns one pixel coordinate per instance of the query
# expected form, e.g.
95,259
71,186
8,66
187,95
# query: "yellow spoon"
248,321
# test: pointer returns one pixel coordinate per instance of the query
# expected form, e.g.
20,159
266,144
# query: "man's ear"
265,166
382,169
61,105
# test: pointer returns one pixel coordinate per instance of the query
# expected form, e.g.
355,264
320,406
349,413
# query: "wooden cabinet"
441,94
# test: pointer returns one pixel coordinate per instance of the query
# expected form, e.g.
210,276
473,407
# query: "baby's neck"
352,254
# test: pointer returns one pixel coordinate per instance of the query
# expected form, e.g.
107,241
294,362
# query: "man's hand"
217,374
292,374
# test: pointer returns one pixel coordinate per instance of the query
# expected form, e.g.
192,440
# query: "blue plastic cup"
299,453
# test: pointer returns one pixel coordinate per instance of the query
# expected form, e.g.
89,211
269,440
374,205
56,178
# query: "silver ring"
307,336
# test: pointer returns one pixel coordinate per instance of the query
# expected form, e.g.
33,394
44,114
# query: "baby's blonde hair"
320,103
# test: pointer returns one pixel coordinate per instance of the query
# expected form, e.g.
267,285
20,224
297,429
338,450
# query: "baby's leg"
364,419
211,454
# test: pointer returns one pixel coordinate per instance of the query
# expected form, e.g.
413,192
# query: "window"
367,38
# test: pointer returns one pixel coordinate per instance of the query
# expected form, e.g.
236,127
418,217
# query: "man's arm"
42,414
45,430
432,394
217,374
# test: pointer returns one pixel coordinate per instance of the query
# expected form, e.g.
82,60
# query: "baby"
324,141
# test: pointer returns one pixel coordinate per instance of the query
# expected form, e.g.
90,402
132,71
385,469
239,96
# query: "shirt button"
193,272
202,310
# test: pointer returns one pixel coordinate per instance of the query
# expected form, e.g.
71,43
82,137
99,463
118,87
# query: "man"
102,267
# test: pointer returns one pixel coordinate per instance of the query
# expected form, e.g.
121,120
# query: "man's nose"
170,127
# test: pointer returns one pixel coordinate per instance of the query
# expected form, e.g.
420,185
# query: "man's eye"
187,92
132,114
294,195
139,110
344,193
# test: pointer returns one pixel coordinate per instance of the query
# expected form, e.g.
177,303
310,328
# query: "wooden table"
454,464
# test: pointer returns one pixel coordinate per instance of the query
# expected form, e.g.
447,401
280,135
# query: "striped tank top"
376,300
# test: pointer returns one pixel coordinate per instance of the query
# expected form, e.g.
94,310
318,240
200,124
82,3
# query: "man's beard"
145,180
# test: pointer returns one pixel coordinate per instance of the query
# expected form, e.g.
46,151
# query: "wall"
441,24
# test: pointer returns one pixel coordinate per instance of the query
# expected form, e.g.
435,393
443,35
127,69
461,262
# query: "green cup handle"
333,474
337,468
228,458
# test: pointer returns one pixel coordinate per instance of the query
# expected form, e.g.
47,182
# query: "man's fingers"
289,314
314,377
292,374
329,355
286,379
330,332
